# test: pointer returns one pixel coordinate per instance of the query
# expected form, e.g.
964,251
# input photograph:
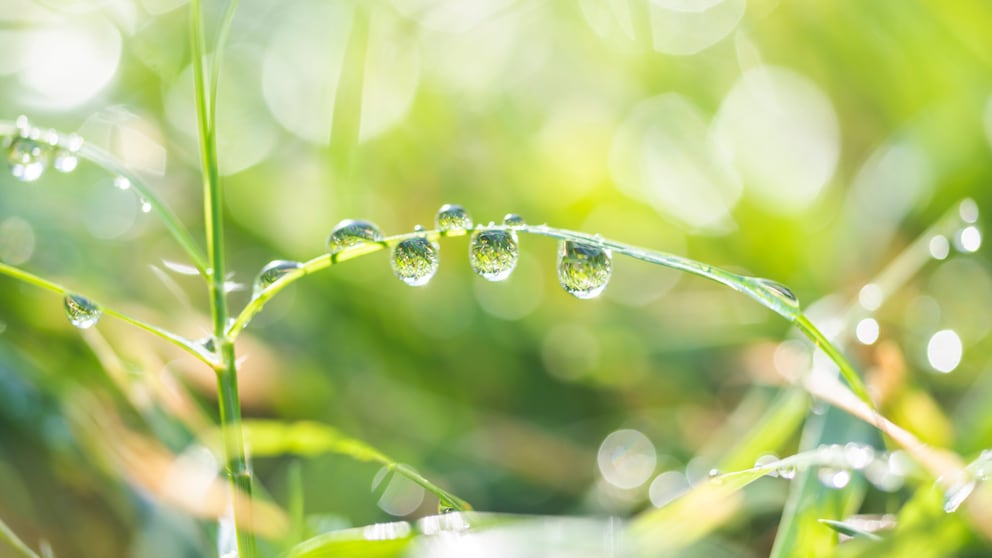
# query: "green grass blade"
16,545
386,540
270,438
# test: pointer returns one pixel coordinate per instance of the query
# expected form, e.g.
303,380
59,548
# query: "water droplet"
765,461
444,506
27,158
832,477
208,344
146,206
713,473
81,312
787,472
453,218
958,493
122,183
969,239
493,254
513,220
858,456
272,272
583,269
939,247
418,228
968,210
352,232
415,261
65,160
778,291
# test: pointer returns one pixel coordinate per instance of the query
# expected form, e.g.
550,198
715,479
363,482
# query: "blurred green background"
809,142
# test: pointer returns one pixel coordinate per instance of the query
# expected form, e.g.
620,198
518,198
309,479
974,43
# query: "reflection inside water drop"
352,232
415,261
452,218
27,158
272,272
583,269
81,312
493,254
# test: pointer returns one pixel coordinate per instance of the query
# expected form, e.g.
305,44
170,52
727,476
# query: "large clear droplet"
493,254
779,292
513,220
352,232
415,261
272,272
27,158
583,269
453,219
787,472
81,312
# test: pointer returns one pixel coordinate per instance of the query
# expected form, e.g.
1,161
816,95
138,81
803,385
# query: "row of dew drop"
584,269
31,150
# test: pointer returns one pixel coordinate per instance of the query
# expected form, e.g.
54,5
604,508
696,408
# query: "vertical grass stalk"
227,375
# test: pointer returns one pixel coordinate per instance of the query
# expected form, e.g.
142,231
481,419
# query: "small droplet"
415,261
272,272
958,493
766,460
453,218
122,183
146,206
968,210
832,477
779,291
81,312
444,506
64,160
858,456
939,247
713,473
513,220
583,269
493,253
27,158
352,232
787,472
418,228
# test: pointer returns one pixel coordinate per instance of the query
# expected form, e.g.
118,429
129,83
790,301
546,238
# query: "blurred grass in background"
808,142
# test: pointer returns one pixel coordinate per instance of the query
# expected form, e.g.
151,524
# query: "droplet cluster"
32,150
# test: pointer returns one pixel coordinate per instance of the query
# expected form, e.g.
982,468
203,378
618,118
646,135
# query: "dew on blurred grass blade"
584,269
626,458
939,247
415,261
493,254
272,272
453,218
352,232
944,351
969,239
513,220
400,496
958,492
778,292
766,460
666,487
27,158
867,331
81,312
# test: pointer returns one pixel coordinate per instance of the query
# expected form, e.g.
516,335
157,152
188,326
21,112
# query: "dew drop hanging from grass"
415,261
452,218
27,158
493,254
272,272
778,291
583,269
352,232
81,312
513,220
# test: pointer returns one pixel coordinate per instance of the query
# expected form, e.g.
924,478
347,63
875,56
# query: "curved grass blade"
269,438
